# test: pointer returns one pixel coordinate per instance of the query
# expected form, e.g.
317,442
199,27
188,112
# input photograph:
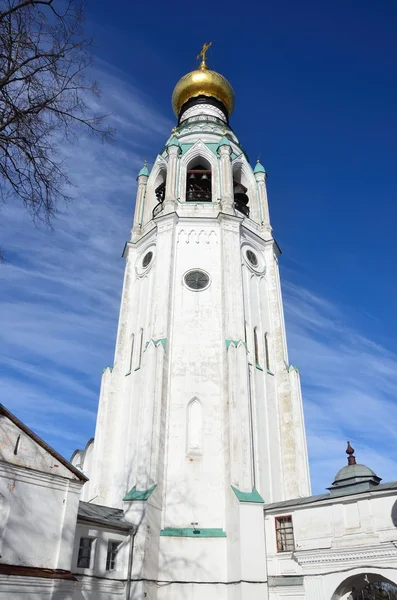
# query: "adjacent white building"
198,481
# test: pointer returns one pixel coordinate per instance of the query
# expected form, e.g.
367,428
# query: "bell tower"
200,419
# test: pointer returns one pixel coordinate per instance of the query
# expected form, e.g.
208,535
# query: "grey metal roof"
42,443
104,515
391,485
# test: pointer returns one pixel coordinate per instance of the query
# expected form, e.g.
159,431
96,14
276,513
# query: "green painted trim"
270,373
137,368
259,168
253,496
292,368
190,532
235,343
213,147
135,494
185,148
108,367
144,171
250,363
129,373
161,341
259,367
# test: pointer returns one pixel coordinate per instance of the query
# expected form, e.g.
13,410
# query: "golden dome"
202,82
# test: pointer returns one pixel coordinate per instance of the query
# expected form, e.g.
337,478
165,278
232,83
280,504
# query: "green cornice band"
190,532
253,496
135,494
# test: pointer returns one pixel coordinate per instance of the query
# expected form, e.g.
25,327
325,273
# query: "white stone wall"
336,540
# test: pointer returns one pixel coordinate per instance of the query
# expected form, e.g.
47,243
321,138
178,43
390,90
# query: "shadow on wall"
394,514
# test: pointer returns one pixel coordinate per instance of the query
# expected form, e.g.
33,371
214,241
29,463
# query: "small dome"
203,82
353,471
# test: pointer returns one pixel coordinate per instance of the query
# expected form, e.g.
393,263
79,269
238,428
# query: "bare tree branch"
44,92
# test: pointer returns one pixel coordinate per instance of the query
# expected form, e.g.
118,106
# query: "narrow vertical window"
129,367
256,347
245,332
140,347
267,357
84,556
194,426
113,548
284,534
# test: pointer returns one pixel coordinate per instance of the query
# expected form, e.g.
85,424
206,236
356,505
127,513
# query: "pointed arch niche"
199,180
159,190
198,158
194,422
155,190
244,189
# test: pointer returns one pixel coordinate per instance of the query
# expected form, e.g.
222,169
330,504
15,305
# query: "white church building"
196,485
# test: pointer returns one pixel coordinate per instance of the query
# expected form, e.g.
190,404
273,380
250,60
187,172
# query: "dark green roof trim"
135,494
253,496
108,367
259,367
270,372
190,532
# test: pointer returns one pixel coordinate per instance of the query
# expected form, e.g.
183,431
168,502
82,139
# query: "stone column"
173,150
224,151
261,176
140,198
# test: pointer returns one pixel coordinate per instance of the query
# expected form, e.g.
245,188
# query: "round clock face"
196,280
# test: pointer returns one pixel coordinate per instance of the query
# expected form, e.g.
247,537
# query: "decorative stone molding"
197,236
204,110
309,557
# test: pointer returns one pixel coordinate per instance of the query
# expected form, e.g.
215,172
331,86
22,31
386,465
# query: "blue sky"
316,97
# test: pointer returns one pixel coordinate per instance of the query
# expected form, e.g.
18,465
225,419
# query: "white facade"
340,542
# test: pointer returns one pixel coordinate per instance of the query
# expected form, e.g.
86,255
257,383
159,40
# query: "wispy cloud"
60,290
349,387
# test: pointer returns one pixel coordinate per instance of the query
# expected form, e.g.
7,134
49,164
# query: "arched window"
241,199
256,347
131,354
267,356
159,191
199,181
194,426
140,347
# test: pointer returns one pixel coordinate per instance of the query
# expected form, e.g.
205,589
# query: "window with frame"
284,534
113,548
84,556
